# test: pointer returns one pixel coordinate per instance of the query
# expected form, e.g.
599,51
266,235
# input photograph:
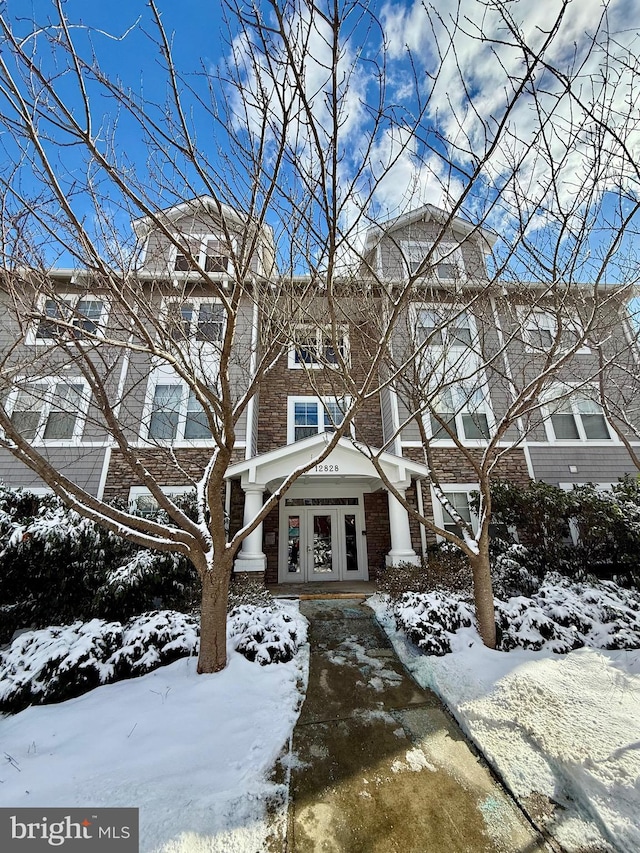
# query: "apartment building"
469,359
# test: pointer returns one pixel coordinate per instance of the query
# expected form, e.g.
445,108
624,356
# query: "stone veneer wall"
453,467
283,382
270,534
376,519
170,469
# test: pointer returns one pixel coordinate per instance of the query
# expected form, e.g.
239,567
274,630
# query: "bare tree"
483,361
299,142
80,344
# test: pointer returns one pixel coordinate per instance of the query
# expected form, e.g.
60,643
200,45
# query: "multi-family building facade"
462,350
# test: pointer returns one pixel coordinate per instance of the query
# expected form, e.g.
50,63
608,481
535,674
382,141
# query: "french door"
322,543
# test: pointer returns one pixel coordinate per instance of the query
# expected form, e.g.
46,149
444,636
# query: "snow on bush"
563,615
54,664
266,634
57,663
430,619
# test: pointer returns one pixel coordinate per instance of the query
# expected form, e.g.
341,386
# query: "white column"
401,550
251,557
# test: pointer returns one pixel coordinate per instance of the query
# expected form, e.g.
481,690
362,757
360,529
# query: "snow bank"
564,726
192,752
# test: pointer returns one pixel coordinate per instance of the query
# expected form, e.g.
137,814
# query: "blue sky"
483,76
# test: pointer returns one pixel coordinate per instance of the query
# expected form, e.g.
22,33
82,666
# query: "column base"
397,558
250,563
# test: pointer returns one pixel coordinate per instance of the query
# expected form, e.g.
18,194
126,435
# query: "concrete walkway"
378,765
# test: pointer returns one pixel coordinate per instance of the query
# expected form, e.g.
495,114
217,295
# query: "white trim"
73,299
338,512
164,375
444,309
320,403
203,239
571,394
442,252
170,491
448,489
194,322
527,315
47,399
321,333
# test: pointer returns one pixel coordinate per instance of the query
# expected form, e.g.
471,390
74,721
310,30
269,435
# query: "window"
444,327
463,412
459,496
142,502
85,314
176,414
445,260
312,415
195,320
541,330
49,410
209,253
314,347
575,417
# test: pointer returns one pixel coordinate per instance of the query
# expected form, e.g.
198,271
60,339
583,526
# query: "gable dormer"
202,234
428,243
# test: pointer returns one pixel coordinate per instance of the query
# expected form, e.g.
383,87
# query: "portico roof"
348,462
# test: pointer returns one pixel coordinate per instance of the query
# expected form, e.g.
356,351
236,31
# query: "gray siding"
82,465
387,416
594,464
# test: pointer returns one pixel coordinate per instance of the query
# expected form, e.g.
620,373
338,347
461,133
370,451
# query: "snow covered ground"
564,726
192,752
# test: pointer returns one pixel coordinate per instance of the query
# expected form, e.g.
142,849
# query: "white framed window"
85,313
459,496
198,320
314,347
49,410
173,413
574,416
443,326
462,411
308,416
541,330
445,263
211,253
142,502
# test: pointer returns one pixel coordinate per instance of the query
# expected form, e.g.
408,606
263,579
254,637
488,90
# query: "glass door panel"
321,546
293,545
351,543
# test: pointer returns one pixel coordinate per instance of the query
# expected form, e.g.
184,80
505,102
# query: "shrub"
56,567
430,619
606,524
266,634
563,615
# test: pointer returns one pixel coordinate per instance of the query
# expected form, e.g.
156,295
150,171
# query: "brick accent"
270,533
283,382
451,466
170,468
376,518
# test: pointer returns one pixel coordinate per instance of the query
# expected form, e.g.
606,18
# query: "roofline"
144,224
428,212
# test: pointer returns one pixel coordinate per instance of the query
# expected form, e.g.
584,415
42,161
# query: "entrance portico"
322,530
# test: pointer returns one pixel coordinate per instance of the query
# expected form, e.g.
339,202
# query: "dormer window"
445,260
208,253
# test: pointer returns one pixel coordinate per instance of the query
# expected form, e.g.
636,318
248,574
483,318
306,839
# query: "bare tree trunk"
483,594
213,619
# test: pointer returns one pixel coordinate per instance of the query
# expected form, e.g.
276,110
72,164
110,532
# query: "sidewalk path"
378,765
